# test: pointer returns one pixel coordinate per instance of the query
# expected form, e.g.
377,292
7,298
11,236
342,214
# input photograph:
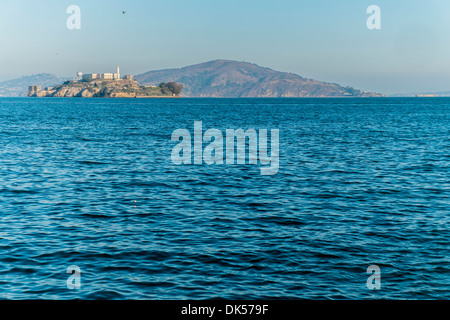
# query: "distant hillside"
19,87
230,79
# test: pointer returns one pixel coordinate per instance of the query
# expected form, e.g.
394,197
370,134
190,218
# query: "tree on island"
171,88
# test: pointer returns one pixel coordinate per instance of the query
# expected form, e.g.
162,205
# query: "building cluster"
105,76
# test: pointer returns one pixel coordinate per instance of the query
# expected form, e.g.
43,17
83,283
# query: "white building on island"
102,76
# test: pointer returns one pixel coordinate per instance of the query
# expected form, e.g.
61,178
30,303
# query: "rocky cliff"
104,88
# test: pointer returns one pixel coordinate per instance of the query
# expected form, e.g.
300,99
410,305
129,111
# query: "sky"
326,40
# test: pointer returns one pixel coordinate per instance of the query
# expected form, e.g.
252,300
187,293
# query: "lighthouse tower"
118,73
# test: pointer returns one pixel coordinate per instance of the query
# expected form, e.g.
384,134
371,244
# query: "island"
106,85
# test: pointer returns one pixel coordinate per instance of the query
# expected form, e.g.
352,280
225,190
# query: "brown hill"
232,79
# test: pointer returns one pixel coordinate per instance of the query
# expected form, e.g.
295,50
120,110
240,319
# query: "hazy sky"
321,39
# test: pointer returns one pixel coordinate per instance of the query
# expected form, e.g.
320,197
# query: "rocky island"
106,85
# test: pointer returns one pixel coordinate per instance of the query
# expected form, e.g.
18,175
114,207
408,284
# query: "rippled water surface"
90,182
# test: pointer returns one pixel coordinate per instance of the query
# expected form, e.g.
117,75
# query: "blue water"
90,182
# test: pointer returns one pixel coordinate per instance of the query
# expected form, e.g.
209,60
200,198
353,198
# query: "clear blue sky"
321,39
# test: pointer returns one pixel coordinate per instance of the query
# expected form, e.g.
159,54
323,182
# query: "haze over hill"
233,79
19,87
